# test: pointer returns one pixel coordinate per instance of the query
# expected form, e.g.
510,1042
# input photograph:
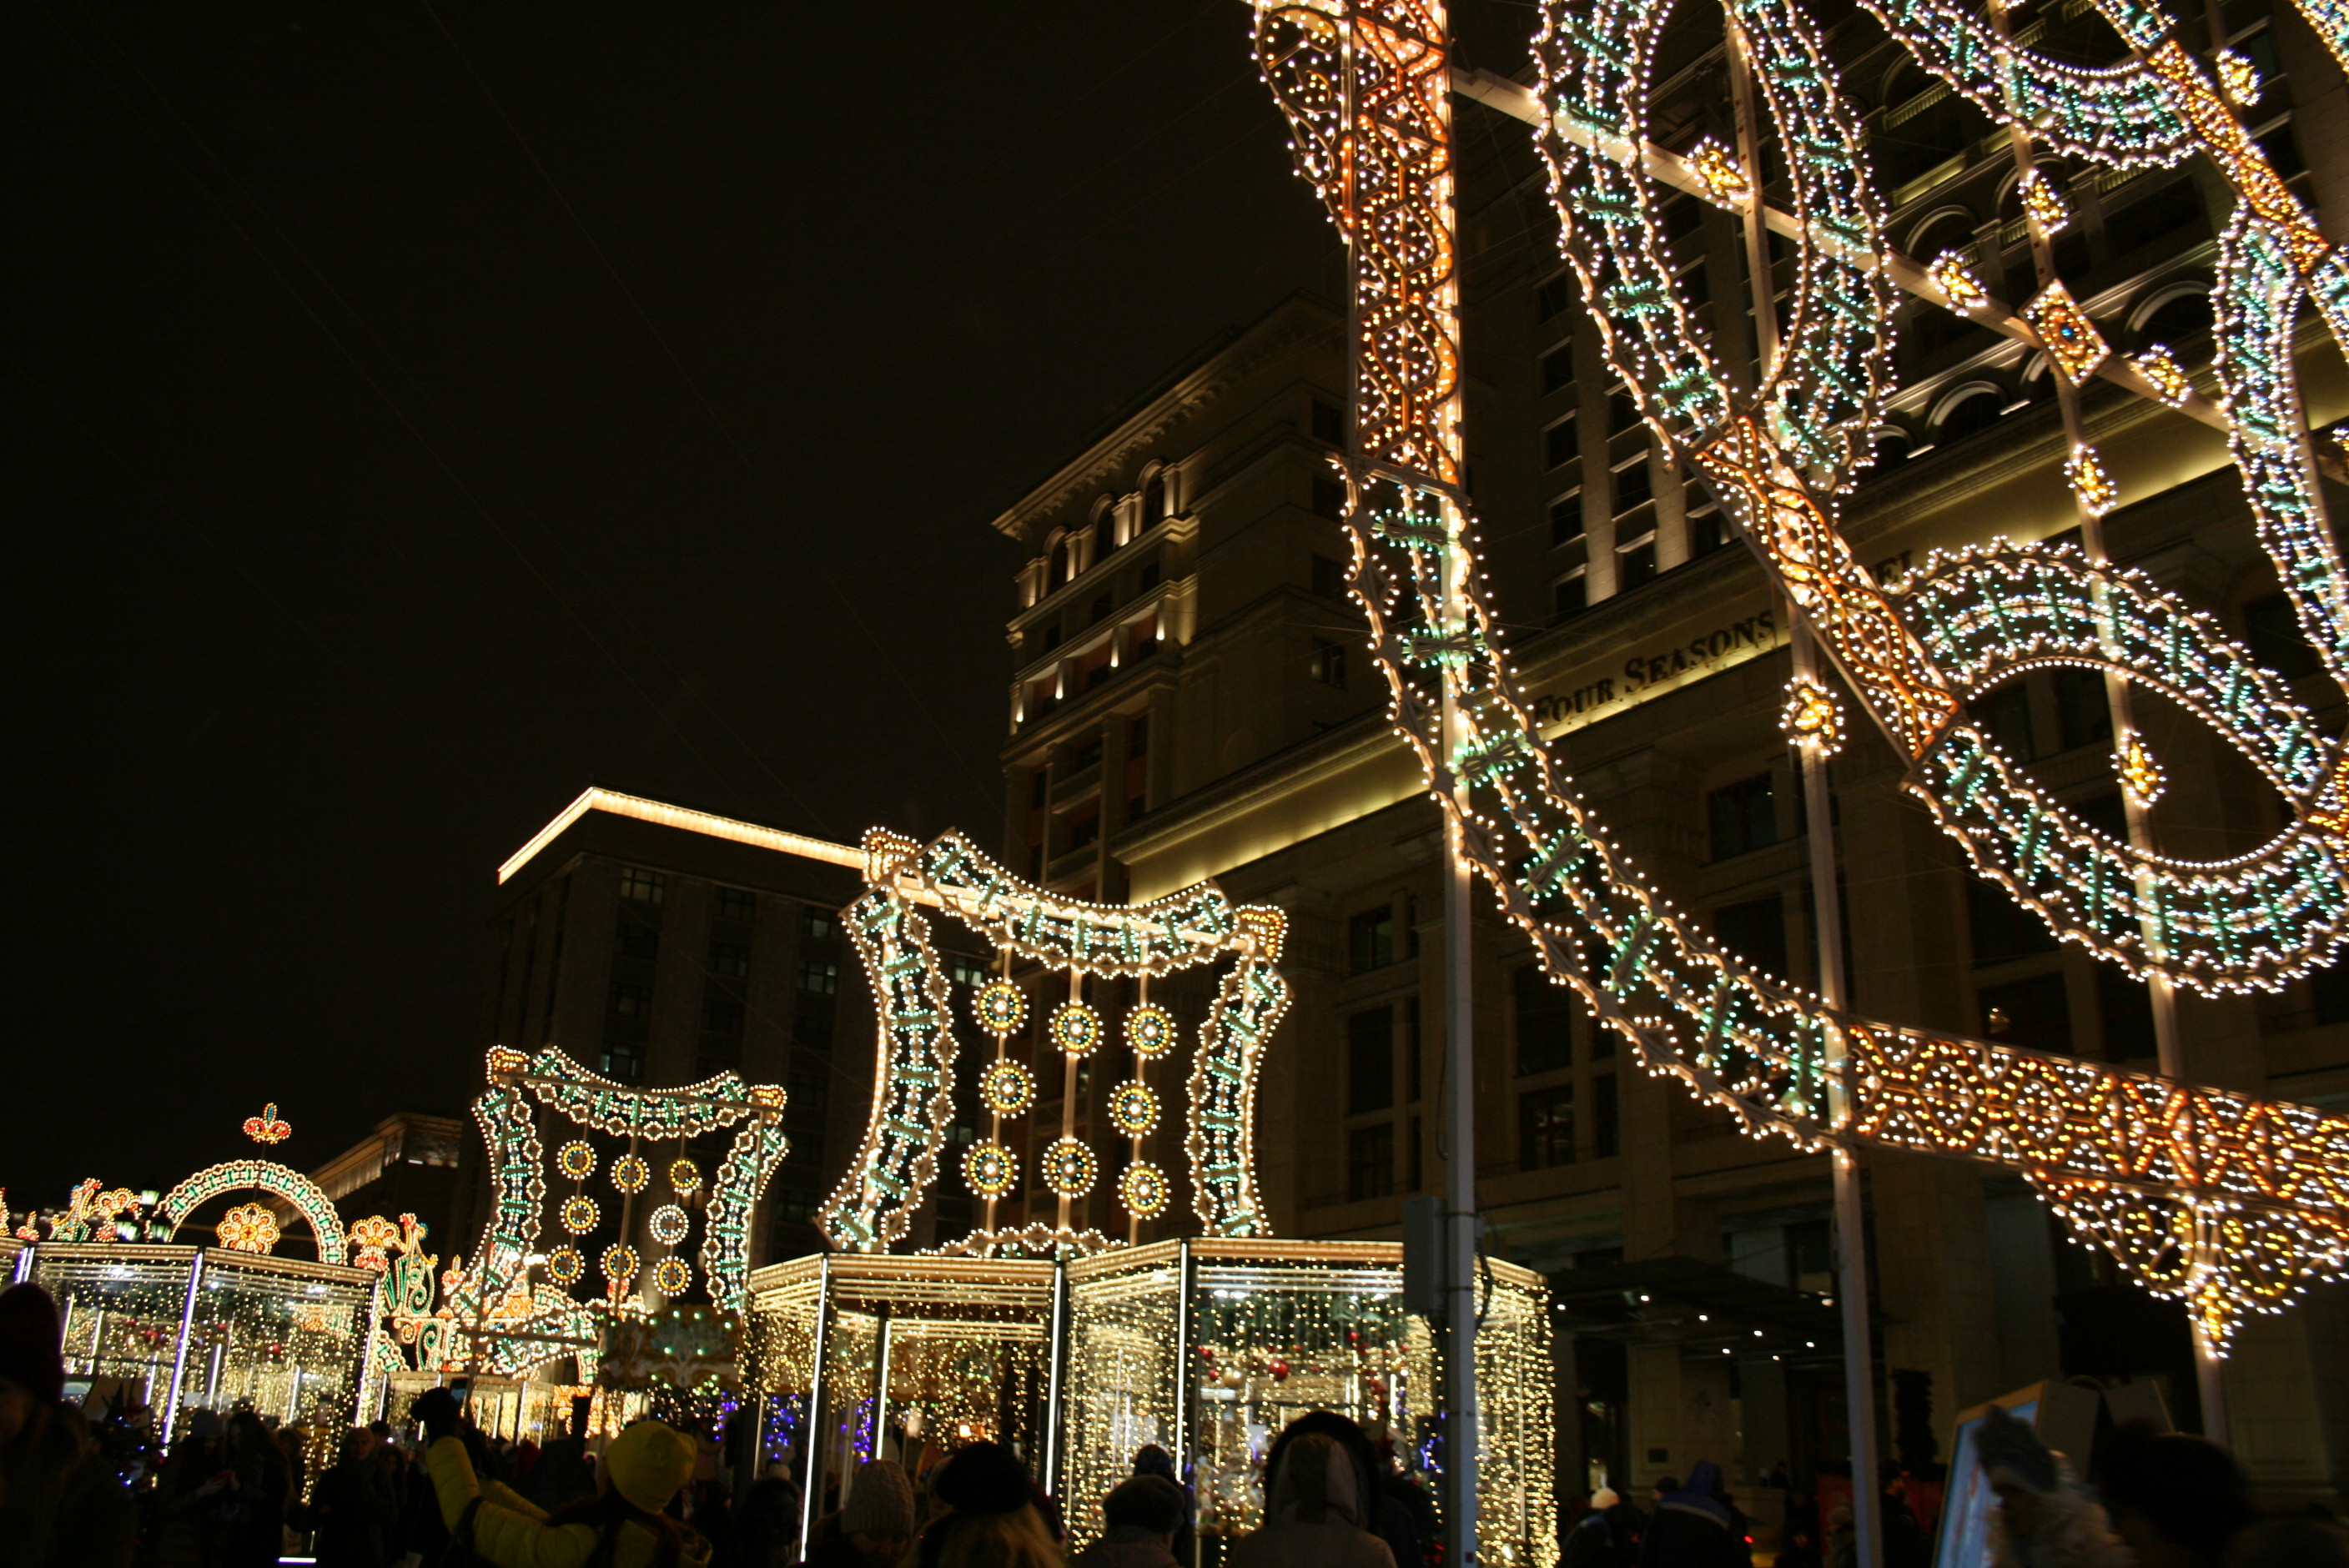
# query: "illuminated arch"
260,1176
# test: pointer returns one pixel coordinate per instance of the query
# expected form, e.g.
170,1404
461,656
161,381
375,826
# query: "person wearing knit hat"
985,1480
60,1502
622,1526
873,1528
1591,1542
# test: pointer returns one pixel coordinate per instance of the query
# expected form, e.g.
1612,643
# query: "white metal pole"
1850,1213
1461,1416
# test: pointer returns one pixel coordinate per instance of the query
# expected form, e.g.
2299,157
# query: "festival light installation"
1364,88
248,1228
268,1127
897,1162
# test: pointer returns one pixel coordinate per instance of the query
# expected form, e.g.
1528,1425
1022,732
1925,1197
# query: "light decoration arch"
267,1176
913,1103
2228,1203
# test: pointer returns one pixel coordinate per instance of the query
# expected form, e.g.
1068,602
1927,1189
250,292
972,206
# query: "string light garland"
684,1178
1007,1089
565,1265
668,1225
1362,89
619,1264
580,1214
171,1210
576,1160
629,1174
672,1276
1069,1168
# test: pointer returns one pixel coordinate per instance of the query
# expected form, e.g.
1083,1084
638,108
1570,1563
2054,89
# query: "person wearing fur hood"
2045,1519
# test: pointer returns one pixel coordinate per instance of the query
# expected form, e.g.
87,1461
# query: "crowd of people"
235,1493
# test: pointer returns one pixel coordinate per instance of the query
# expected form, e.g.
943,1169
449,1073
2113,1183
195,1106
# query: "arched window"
1891,446
1155,500
2172,314
1971,408
1950,229
1057,572
1104,533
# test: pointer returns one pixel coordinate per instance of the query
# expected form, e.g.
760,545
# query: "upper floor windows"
1328,662
1329,423
643,886
1371,939
1744,817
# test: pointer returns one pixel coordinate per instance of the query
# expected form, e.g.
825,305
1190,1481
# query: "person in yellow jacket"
621,1527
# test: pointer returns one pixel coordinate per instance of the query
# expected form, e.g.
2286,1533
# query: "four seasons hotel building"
1191,698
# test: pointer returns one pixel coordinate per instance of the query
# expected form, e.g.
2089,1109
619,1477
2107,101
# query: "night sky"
417,415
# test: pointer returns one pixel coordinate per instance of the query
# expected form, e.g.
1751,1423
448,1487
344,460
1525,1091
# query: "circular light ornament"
564,1265
1007,1089
672,1276
1076,1029
1133,1108
684,1178
1000,1006
580,1214
619,1262
1144,1190
576,1160
990,1169
1150,1029
629,1174
1070,1168
668,1224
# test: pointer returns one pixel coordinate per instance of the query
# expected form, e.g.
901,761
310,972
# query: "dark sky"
417,415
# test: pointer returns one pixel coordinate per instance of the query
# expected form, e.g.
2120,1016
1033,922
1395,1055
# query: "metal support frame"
811,1443
1460,1415
178,1357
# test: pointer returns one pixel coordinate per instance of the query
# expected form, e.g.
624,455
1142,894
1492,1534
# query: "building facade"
1191,698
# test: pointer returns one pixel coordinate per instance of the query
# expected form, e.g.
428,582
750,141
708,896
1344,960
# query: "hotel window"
644,887
1369,1161
1369,940
1369,1061
1329,497
1562,443
2084,716
1606,1116
1557,368
631,1000
1635,564
2034,1014
1545,1128
819,976
1137,736
1155,501
1086,755
1329,577
1085,830
721,1013
1329,423
1329,663
2274,628
2003,929
731,959
1756,931
737,904
638,941
818,925
1744,817
623,1061
1545,1020
964,970
1569,596
1622,413
812,1020
2006,716
1554,295
1708,530
1566,518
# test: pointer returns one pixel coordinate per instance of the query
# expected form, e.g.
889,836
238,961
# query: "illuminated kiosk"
1073,1346
184,1329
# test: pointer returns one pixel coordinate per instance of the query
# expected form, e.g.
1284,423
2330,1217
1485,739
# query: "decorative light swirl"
684,1178
619,1264
1076,1030
579,1214
990,1169
1144,1190
1133,1108
629,1174
672,1276
668,1224
1000,1006
1069,1168
565,1265
1151,1031
1007,1089
576,1160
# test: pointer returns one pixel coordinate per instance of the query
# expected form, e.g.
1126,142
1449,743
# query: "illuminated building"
1693,1262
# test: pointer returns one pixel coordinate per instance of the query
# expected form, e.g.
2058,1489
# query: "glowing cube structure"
191,1328
1205,1347
878,1355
